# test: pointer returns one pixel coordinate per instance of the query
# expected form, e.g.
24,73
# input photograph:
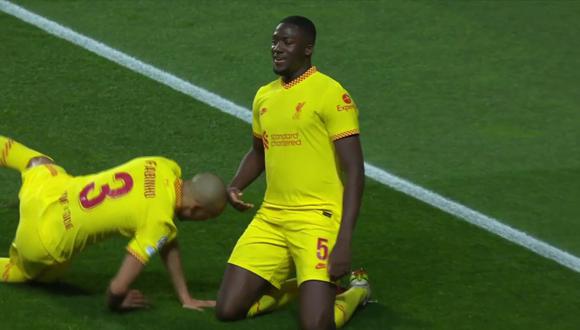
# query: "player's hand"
339,261
134,300
198,305
235,198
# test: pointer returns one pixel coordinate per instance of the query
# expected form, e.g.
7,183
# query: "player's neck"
182,201
297,73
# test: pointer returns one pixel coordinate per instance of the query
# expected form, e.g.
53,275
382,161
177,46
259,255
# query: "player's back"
121,200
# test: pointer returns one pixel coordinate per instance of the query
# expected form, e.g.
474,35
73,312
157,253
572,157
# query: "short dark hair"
304,24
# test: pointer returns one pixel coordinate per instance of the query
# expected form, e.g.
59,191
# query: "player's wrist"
184,297
115,300
233,194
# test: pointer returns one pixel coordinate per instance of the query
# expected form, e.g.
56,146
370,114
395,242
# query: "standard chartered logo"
285,140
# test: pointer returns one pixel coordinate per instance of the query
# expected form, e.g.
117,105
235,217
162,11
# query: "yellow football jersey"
298,123
136,199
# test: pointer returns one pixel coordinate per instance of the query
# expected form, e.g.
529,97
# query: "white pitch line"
451,207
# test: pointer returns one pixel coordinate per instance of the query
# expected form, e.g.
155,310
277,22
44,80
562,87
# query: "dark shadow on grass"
380,316
12,204
61,289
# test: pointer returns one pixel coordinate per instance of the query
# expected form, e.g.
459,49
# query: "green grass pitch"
476,100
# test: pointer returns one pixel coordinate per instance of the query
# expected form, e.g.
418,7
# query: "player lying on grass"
60,215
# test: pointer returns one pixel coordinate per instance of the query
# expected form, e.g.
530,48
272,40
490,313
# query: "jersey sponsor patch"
345,107
286,139
150,250
347,103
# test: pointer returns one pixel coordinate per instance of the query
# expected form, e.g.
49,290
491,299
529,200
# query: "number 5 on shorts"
322,248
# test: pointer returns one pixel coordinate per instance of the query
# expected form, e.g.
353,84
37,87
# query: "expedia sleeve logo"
347,103
346,98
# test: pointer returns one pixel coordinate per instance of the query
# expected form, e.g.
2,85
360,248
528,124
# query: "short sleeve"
256,110
340,113
151,238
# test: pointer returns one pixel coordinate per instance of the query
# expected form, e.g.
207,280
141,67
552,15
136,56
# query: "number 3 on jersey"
106,191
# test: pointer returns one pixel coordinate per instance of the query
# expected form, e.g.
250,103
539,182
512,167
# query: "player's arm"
119,295
251,166
172,259
350,155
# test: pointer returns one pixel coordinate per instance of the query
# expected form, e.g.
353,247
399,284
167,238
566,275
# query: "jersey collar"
300,79
178,184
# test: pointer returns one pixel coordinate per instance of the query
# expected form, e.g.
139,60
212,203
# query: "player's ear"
308,49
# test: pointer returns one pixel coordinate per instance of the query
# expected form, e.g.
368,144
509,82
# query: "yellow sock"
10,272
16,155
346,303
276,299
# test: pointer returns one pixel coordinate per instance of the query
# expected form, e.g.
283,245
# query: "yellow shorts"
279,242
41,187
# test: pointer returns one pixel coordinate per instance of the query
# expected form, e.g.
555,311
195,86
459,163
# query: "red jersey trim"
136,255
51,169
6,273
345,134
6,151
178,192
300,79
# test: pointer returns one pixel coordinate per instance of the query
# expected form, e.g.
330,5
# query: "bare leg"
239,290
317,305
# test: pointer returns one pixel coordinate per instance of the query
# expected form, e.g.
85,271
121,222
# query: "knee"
228,312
